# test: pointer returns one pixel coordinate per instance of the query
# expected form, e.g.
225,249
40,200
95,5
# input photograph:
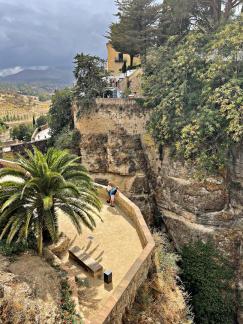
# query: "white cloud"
38,68
10,71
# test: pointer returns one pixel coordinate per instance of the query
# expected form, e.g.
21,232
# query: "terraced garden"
16,108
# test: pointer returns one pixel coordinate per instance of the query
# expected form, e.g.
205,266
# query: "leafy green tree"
22,132
3,126
60,114
134,32
69,140
41,121
44,97
46,184
90,76
180,16
195,92
208,277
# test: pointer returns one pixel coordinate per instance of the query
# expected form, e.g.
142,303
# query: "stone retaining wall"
20,148
111,115
37,130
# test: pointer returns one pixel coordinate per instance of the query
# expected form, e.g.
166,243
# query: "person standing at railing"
113,194
108,189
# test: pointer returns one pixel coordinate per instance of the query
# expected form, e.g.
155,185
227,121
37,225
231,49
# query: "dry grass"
31,291
14,311
15,107
161,299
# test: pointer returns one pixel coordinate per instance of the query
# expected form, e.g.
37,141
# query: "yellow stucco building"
115,60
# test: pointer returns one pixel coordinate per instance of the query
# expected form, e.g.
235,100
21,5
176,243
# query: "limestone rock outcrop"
193,209
111,149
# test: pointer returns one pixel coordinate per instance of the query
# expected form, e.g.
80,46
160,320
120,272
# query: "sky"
39,33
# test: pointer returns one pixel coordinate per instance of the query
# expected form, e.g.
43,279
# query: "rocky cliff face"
115,147
192,210
111,150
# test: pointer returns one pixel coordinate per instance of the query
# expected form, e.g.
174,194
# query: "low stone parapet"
124,294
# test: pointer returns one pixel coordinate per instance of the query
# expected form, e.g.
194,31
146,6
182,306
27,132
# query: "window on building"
119,57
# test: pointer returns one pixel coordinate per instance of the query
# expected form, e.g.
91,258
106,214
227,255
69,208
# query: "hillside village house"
115,60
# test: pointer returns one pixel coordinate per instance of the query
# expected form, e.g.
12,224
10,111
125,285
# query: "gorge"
115,146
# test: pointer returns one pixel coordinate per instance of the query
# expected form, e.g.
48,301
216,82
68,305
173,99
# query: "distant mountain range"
50,77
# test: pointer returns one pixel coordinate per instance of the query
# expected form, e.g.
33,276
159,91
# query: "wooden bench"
86,261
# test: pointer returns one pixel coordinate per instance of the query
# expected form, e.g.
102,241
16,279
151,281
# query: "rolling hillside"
49,79
17,108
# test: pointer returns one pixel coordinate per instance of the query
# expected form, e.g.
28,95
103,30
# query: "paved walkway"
44,134
115,244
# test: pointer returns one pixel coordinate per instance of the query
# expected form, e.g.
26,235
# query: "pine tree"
180,16
134,33
90,77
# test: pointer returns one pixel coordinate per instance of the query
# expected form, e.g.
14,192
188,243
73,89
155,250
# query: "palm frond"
44,185
10,201
12,172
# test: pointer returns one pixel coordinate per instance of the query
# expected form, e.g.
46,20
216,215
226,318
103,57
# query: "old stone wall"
111,149
20,148
112,114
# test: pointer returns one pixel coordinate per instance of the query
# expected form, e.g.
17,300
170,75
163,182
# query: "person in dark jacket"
113,194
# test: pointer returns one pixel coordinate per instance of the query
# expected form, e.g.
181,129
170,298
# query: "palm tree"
32,194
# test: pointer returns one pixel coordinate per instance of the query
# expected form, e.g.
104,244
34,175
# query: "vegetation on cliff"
61,124
208,278
22,132
90,74
31,196
143,24
195,88
161,299
60,114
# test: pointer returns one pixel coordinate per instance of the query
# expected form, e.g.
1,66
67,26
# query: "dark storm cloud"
51,32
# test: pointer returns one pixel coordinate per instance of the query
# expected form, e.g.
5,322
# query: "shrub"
194,87
16,248
41,121
67,305
22,132
162,299
208,277
14,311
68,139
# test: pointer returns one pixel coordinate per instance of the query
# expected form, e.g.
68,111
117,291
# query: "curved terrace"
121,243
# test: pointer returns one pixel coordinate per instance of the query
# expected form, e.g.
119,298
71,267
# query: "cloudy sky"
51,32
